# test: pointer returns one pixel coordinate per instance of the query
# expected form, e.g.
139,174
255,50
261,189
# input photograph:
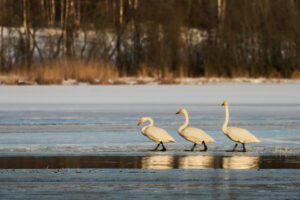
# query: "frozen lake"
91,133
97,119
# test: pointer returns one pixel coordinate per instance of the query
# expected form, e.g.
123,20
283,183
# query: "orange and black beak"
140,122
179,111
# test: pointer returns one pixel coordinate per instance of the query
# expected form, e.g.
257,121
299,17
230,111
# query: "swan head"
141,121
182,110
224,103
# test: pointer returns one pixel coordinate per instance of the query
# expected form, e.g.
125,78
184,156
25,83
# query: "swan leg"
192,149
233,150
157,147
244,148
164,148
205,147
236,144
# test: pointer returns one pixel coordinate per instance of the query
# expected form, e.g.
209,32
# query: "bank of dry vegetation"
77,72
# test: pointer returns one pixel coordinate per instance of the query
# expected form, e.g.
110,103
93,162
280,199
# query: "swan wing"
158,135
240,135
196,135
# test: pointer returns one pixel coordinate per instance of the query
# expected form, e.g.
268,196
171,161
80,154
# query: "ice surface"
99,122
151,94
93,119
149,184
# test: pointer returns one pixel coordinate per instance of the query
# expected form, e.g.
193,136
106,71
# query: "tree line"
222,38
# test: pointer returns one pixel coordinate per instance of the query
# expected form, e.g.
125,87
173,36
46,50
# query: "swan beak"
140,122
222,104
179,111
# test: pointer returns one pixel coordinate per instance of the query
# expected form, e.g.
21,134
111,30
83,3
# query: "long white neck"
226,119
150,124
186,123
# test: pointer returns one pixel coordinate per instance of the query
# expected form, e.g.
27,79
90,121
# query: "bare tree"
26,25
2,56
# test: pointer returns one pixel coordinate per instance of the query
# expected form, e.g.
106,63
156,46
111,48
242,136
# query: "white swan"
195,135
238,135
158,135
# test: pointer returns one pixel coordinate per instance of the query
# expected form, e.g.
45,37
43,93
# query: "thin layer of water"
151,162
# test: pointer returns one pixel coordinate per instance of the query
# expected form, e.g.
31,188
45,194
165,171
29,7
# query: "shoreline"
5,81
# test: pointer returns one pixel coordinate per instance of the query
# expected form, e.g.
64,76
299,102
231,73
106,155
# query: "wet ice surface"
157,161
149,184
112,128
53,122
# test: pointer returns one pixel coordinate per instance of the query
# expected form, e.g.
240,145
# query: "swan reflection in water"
196,162
200,162
240,162
158,162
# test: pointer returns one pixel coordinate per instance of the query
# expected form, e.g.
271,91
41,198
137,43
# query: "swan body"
238,135
158,135
195,135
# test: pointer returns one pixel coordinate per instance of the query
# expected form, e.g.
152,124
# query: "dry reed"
77,71
56,72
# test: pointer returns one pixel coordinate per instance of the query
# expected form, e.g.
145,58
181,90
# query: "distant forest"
158,38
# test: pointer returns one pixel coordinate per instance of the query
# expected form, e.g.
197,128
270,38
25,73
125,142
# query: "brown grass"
296,74
57,71
77,71
162,73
